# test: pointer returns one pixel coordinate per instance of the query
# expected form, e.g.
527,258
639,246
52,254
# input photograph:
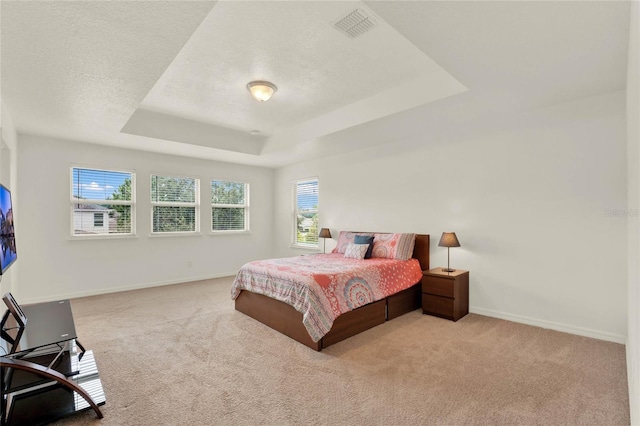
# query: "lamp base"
448,270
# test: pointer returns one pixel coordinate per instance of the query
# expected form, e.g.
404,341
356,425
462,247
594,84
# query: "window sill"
102,237
174,234
215,233
305,248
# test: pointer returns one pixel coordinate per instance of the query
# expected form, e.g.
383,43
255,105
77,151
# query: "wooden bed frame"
285,319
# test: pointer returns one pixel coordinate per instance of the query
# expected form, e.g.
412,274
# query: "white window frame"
245,206
295,243
74,201
195,204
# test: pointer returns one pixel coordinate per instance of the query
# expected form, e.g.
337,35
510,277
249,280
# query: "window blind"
306,212
102,201
174,204
229,206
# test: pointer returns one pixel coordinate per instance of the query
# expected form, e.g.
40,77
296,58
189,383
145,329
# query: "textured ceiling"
316,68
80,69
170,76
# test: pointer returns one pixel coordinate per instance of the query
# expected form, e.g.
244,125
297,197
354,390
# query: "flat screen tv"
8,253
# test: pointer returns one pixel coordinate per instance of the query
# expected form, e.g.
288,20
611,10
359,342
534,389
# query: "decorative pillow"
365,239
393,246
344,239
356,251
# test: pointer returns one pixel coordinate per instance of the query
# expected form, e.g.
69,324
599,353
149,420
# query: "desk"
46,373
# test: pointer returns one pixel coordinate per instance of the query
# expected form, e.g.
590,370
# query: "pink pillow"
393,246
344,239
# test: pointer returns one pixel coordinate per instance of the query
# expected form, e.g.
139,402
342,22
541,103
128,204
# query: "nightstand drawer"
436,285
436,305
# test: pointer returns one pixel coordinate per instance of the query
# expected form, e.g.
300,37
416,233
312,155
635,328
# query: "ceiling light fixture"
262,90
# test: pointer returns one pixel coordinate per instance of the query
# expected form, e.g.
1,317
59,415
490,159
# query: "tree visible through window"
306,212
229,206
98,195
175,204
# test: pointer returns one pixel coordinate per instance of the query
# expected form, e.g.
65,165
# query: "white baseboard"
571,329
75,295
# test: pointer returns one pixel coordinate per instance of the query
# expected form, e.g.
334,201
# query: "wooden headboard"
421,250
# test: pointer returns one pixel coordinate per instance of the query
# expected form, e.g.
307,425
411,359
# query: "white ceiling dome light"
262,90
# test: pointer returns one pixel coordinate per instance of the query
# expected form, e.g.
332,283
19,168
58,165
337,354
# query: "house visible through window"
229,206
174,202
102,202
306,212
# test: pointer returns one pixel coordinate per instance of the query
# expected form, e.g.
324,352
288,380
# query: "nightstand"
445,294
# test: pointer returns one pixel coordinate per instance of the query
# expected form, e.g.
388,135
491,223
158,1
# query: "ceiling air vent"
355,23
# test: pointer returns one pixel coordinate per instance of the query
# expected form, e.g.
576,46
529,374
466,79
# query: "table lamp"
448,240
324,234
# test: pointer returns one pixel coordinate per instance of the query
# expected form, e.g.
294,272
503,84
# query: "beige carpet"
181,355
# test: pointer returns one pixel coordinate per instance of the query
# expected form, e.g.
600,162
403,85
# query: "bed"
284,318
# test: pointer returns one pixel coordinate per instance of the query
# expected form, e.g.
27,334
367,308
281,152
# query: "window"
229,206
102,202
174,201
98,219
306,212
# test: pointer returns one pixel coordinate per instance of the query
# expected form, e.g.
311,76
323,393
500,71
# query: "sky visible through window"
96,184
307,195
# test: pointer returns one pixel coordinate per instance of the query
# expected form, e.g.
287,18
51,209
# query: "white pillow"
356,251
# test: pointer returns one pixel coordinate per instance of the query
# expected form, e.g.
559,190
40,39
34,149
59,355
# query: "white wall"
633,232
53,266
9,178
528,199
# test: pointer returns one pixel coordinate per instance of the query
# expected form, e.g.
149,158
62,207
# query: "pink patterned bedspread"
324,286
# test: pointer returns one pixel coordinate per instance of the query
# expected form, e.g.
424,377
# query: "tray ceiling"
171,76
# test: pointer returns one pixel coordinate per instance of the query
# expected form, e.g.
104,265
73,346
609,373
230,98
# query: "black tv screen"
8,254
